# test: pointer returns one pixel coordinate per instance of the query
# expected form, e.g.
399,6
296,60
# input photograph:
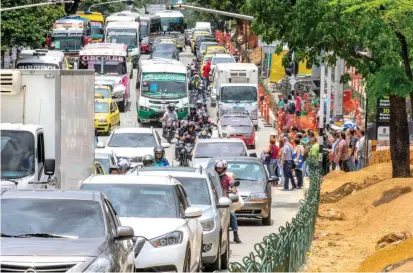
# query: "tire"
216,266
187,262
267,221
225,256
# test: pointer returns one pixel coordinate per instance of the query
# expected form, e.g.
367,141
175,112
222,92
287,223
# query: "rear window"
235,121
196,189
220,149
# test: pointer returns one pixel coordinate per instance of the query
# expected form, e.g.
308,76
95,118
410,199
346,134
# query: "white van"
203,26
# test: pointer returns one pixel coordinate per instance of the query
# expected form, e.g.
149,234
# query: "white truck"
236,88
47,129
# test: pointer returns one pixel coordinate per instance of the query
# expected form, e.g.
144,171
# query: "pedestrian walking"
288,164
342,157
280,171
352,149
273,156
298,157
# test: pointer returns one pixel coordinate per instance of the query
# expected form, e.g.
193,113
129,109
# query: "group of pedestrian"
348,148
286,157
291,105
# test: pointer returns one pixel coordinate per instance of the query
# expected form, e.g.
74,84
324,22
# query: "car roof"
220,140
220,55
134,130
130,179
98,85
103,100
52,194
173,171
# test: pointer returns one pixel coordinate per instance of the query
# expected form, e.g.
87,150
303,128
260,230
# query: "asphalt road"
284,206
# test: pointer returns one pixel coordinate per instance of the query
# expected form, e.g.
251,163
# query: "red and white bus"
150,29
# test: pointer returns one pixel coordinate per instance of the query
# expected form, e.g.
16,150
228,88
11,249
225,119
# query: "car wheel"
216,266
267,221
187,262
225,256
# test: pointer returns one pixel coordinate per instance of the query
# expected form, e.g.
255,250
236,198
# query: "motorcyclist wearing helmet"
227,181
160,160
196,81
170,114
193,115
190,135
199,108
205,122
124,166
181,131
148,161
203,91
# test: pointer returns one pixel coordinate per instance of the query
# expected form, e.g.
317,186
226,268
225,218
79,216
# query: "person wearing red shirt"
298,102
273,155
205,73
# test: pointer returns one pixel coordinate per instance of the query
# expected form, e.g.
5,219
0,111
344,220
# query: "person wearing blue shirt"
160,160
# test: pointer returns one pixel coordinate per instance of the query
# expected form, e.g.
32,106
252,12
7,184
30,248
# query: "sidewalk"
284,207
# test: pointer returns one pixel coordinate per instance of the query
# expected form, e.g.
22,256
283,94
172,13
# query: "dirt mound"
392,238
335,188
348,230
334,174
392,256
405,266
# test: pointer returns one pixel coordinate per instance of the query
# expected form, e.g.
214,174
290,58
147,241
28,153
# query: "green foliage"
108,9
27,27
390,80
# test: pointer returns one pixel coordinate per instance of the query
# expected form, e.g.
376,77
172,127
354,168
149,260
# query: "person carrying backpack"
291,105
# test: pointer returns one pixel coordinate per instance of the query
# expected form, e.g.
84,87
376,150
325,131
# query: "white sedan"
167,228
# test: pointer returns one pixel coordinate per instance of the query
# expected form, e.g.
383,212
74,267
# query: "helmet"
221,164
171,107
148,160
198,102
191,124
192,107
184,124
205,116
123,164
159,150
196,76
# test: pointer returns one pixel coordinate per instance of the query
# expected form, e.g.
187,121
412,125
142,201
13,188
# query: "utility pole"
322,81
292,79
329,75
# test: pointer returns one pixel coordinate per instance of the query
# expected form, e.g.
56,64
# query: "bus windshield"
67,43
172,24
143,31
232,94
164,85
112,65
122,36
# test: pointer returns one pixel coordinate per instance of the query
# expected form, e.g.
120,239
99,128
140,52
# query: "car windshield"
235,121
163,54
247,170
17,154
101,107
104,92
64,217
134,140
172,24
166,47
139,200
222,61
112,65
164,85
122,36
67,43
104,162
205,45
196,189
245,94
218,50
219,149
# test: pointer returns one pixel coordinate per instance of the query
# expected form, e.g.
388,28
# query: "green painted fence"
287,250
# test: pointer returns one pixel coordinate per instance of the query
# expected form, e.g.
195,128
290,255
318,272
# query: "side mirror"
234,198
192,212
165,145
253,154
100,145
49,167
124,233
224,203
237,183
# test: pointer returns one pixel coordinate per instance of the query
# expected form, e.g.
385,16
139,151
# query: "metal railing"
287,250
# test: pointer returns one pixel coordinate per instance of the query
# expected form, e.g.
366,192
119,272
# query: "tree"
378,48
27,27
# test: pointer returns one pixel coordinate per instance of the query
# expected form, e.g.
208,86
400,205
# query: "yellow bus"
96,21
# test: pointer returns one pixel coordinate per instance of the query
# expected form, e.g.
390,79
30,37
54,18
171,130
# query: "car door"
225,213
125,246
192,225
114,114
114,246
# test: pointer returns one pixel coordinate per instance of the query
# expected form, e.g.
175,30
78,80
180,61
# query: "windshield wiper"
44,235
10,180
203,157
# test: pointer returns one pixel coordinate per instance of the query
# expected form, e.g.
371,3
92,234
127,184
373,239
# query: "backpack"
291,107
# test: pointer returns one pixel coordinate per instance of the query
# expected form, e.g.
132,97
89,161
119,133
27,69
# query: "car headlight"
173,238
208,225
258,196
101,264
102,120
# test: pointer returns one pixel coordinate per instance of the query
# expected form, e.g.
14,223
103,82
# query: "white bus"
172,23
125,16
42,59
125,33
162,82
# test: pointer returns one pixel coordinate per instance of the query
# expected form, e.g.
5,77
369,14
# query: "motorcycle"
170,130
204,134
185,153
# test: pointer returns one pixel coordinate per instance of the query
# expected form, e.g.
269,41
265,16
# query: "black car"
255,186
202,38
57,231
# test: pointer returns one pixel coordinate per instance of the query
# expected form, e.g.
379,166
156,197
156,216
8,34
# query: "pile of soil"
337,186
354,227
